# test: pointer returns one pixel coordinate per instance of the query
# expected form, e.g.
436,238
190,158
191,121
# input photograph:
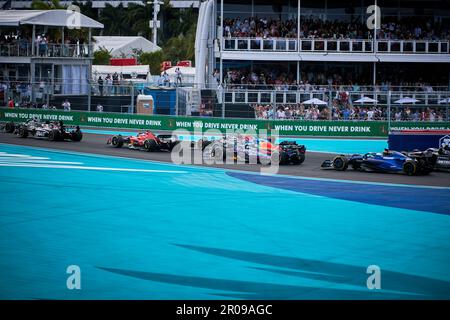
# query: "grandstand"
277,54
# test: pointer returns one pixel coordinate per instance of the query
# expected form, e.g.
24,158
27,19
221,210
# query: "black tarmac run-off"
96,144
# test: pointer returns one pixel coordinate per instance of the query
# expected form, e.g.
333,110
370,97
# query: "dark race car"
145,141
53,131
249,149
440,158
386,162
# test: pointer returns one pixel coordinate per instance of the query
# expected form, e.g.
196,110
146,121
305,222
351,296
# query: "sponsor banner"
284,127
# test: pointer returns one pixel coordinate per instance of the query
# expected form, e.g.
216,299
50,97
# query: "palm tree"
114,20
138,17
46,5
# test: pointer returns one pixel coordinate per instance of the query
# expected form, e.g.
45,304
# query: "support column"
374,75
89,42
63,45
298,24
33,80
221,41
389,111
33,40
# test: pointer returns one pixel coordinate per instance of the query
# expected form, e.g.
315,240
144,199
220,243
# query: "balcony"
51,50
335,46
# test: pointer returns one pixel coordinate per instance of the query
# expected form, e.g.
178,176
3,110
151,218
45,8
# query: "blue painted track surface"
146,230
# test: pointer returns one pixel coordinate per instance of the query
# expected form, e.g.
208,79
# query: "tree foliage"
102,57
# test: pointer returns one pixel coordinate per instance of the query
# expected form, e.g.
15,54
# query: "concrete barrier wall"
287,127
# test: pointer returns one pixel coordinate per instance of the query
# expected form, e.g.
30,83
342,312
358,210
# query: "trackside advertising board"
286,127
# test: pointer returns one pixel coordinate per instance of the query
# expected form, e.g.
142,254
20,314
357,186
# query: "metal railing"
238,96
333,45
51,50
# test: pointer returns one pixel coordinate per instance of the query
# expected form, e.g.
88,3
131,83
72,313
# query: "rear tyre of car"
76,136
117,141
173,145
340,163
23,131
9,127
150,145
202,144
54,135
410,168
356,166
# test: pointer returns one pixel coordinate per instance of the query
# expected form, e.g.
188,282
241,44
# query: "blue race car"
387,162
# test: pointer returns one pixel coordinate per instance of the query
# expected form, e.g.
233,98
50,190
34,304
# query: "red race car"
145,141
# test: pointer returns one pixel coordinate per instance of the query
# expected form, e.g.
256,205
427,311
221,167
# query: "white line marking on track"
38,161
30,165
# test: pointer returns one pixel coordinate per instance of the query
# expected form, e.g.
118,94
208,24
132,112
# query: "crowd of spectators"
345,112
274,79
313,27
45,45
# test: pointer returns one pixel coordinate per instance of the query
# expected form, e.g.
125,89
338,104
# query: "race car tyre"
150,145
340,163
9,127
301,159
23,131
76,136
202,144
117,141
356,166
284,159
54,135
409,167
173,145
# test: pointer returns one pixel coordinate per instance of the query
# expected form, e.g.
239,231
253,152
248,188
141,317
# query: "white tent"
366,100
447,100
406,100
315,101
122,47
55,18
140,72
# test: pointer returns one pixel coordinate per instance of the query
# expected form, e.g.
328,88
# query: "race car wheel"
76,136
117,141
340,163
54,135
301,159
150,145
410,168
173,145
23,131
202,144
356,166
9,127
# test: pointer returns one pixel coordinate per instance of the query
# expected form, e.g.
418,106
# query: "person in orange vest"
11,103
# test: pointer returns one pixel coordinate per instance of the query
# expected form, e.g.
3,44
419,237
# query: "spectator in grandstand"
166,79
10,103
99,107
179,75
115,83
216,76
109,84
100,85
66,105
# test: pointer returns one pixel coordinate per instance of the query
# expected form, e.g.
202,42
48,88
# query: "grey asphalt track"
95,143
